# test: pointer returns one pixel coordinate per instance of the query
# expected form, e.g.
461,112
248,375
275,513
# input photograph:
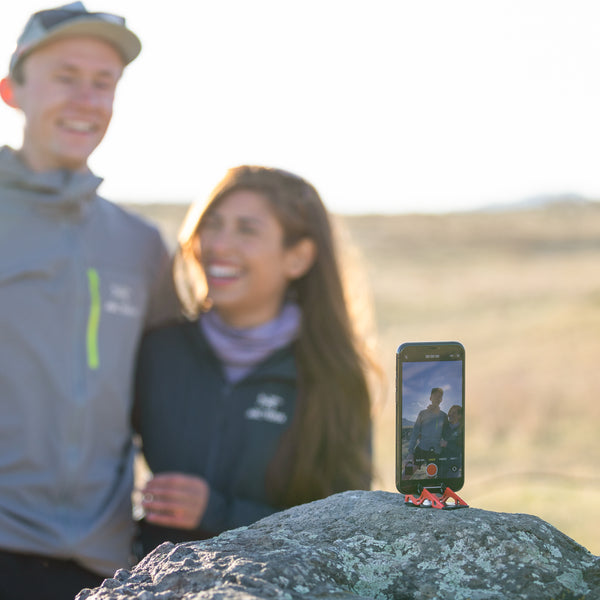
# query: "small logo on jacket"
120,301
267,408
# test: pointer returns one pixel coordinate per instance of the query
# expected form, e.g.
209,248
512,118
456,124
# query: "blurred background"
386,106
457,145
520,289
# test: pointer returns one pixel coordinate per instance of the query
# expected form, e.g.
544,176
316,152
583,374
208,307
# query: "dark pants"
28,577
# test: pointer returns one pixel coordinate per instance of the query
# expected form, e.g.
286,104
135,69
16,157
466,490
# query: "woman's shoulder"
171,330
172,337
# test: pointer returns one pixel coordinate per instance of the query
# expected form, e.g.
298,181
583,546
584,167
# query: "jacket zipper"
93,358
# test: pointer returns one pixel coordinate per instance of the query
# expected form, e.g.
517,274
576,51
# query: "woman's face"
240,247
454,415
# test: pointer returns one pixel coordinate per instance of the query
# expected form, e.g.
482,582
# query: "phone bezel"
419,352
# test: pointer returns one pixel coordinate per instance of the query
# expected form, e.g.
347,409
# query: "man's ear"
7,92
301,258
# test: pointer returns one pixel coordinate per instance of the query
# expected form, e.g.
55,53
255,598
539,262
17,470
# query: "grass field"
521,291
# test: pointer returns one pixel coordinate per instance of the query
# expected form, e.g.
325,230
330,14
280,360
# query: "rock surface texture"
368,545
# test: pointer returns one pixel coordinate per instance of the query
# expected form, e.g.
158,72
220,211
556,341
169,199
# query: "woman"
261,401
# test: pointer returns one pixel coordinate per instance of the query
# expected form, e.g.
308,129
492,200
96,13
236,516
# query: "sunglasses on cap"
55,16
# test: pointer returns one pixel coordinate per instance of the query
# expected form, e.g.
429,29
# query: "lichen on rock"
359,545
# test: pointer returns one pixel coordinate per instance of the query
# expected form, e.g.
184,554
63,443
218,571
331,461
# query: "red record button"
432,469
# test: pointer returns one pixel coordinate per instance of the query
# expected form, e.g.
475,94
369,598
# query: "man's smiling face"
67,97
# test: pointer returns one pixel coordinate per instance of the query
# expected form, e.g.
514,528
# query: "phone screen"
430,407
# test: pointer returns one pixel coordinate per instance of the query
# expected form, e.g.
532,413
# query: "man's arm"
164,304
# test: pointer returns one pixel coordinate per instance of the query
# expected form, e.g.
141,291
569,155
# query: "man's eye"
62,78
105,86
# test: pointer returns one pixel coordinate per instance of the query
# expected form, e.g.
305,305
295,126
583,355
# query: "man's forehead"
79,52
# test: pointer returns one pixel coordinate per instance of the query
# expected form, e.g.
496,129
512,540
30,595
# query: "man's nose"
86,94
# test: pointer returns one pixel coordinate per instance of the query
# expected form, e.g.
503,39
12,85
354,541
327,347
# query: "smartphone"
430,417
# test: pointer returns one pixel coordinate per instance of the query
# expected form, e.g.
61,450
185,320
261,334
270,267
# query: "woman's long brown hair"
327,448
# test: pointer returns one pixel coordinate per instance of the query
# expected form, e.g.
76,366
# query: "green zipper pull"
93,358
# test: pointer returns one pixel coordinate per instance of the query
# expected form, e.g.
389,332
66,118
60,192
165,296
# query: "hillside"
521,291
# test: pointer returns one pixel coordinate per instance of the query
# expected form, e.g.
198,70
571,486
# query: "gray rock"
368,545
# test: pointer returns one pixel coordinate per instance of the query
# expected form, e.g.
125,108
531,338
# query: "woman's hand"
175,500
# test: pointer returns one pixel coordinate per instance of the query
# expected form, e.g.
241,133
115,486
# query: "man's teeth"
223,271
80,126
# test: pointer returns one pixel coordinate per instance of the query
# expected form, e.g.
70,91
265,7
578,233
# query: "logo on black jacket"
267,408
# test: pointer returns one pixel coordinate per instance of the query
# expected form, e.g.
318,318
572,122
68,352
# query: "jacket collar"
60,189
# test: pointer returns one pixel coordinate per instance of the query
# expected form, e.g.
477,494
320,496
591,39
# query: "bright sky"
385,105
419,378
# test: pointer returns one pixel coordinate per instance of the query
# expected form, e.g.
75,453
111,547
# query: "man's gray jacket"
80,279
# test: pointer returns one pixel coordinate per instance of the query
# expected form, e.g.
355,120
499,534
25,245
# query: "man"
80,280
427,432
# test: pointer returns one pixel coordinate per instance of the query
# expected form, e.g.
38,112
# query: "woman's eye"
210,224
248,230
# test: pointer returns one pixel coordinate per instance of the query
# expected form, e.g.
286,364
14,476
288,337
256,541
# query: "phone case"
430,411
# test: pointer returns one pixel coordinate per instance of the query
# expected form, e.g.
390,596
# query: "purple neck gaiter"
239,350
